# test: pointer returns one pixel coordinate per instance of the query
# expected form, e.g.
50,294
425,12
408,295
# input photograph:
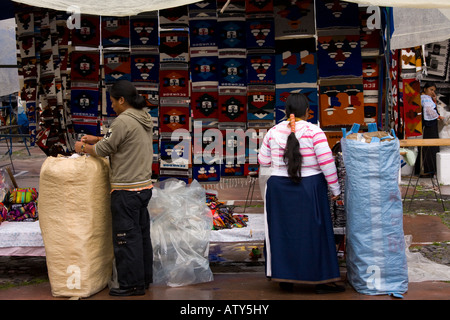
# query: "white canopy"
133,7
424,4
415,27
116,8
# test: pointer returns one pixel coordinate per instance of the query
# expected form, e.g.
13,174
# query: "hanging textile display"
88,35
260,65
144,70
174,46
174,94
117,66
205,71
232,101
85,96
370,37
336,14
412,107
43,47
293,18
341,103
205,104
310,93
296,62
371,89
199,67
411,62
437,58
339,60
144,32
296,71
339,55
115,32
397,107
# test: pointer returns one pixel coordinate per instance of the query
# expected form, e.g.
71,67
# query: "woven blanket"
174,83
232,32
260,34
115,32
294,18
261,104
341,103
205,104
205,69
206,173
260,69
176,17
144,32
203,31
84,102
232,72
437,57
296,61
232,108
339,56
283,92
144,68
336,14
173,118
412,107
117,66
88,35
85,66
174,46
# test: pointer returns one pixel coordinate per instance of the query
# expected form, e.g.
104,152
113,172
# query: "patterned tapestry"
412,107
199,67
341,104
293,18
43,47
339,56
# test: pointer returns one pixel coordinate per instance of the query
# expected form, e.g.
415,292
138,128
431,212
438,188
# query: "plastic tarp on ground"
376,260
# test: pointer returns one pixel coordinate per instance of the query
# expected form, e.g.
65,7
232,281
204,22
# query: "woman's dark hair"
428,85
296,104
127,90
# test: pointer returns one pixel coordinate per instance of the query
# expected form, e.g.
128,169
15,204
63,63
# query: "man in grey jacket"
129,145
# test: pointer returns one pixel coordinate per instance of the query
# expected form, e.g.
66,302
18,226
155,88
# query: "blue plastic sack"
376,259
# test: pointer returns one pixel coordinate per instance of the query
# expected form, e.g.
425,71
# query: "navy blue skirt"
300,244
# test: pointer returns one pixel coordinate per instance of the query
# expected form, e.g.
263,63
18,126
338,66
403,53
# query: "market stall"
216,74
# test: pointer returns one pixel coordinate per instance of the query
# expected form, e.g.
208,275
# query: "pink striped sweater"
316,153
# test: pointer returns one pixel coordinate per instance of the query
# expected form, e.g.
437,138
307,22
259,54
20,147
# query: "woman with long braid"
299,244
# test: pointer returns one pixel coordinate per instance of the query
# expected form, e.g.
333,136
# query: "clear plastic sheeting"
422,269
181,224
376,260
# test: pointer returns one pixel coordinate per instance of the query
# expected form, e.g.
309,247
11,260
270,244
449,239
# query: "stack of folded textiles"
223,215
22,204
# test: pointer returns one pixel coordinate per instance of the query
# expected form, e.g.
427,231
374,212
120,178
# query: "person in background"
430,127
299,244
129,145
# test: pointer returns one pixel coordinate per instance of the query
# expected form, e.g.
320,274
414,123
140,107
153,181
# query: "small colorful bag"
23,212
23,195
3,212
